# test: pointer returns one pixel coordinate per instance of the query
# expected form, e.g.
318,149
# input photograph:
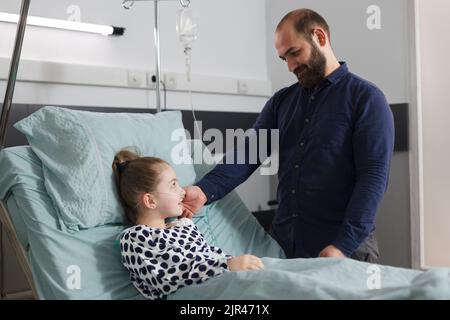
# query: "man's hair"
304,21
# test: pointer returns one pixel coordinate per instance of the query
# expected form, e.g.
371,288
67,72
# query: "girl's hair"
135,175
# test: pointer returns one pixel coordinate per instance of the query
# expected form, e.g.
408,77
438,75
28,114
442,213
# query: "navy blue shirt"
335,148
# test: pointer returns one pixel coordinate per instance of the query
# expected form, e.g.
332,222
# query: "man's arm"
373,144
227,176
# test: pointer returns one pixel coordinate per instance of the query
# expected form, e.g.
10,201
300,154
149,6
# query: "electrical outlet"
242,87
136,79
171,81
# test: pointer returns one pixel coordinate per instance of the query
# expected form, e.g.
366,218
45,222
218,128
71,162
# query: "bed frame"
21,254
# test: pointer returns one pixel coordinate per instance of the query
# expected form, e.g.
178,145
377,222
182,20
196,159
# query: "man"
336,143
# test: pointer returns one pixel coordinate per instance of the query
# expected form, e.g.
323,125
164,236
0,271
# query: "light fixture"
64,24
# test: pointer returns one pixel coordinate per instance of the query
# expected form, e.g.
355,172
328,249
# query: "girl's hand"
246,262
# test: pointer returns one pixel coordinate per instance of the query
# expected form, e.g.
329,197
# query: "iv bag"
186,27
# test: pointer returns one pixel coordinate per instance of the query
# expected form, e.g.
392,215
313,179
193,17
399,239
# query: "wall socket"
242,87
137,79
171,81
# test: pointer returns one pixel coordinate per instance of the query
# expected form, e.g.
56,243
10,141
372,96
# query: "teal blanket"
322,278
55,255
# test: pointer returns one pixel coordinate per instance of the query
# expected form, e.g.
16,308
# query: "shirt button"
302,144
297,166
212,196
313,97
294,215
306,120
293,190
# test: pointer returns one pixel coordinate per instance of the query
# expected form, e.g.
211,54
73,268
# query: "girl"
163,257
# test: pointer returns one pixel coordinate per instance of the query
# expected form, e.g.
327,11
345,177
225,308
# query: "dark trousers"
367,251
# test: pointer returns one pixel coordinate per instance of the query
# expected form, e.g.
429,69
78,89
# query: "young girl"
163,257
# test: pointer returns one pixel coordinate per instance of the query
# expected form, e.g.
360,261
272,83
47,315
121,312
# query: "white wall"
225,48
435,69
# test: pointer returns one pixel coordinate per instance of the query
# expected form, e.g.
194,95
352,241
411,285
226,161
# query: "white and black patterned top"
162,260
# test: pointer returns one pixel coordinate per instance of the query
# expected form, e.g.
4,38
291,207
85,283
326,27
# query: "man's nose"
292,65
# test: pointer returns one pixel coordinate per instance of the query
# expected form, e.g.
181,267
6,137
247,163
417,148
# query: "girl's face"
169,195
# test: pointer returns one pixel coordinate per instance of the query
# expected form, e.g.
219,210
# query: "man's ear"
320,37
149,201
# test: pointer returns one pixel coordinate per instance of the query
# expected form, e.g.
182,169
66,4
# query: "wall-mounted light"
64,24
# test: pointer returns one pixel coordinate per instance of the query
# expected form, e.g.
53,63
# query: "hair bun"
121,166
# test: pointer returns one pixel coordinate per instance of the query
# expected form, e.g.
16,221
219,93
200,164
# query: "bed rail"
21,254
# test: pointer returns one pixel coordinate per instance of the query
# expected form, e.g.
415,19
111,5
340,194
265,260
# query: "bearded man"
336,139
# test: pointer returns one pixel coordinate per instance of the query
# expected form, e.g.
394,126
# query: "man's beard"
311,74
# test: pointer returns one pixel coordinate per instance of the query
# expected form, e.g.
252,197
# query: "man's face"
303,57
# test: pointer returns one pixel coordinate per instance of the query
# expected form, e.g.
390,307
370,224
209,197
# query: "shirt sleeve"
373,144
219,251
239,164
173,269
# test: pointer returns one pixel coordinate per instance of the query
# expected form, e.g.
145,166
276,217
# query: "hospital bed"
75,261
49,253
64,222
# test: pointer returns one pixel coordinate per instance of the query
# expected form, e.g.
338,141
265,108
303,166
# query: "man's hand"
331,252
193,201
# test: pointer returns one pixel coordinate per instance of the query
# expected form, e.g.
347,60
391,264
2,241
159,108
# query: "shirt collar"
332,78
337,74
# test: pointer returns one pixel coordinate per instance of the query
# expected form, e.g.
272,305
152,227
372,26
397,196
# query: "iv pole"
13,70
6,109
127,4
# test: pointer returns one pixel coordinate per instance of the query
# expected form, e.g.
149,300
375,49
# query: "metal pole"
7,107
13,71
127,4
158,60
2,265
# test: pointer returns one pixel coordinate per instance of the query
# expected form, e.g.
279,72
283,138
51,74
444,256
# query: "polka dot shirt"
162,260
